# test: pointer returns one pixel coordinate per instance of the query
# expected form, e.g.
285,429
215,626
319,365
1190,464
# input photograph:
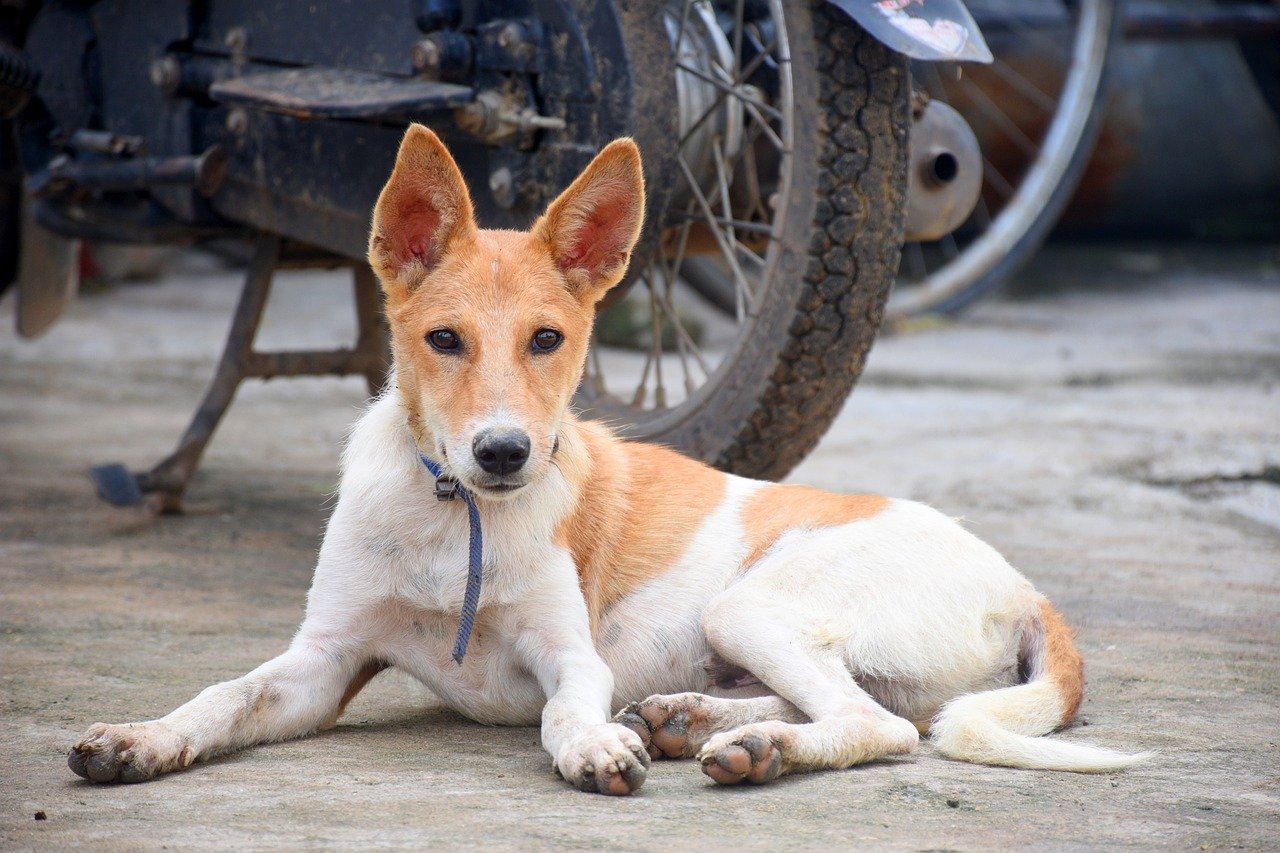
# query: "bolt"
509,35
236,39
238,122
502,185
166,74
425,55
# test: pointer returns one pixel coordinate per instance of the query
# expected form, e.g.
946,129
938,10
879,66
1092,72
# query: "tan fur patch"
775,509
495,289
494,292
638,508
1062,660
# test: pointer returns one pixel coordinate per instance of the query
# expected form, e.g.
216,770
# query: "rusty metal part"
1158,21
166,74
205,173
370,357
426,56
945,173
497,118
444,55
48,275
342,93
105,142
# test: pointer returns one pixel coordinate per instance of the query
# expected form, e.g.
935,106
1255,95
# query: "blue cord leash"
447,488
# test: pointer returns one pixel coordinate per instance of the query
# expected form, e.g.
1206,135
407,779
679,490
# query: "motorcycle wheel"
791,176
1038,127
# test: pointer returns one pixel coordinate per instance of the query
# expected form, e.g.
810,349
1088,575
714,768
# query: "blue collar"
448,488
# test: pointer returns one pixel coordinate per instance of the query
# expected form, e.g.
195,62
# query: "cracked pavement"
1113,428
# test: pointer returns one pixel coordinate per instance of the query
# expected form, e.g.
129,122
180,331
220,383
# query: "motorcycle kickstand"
165,484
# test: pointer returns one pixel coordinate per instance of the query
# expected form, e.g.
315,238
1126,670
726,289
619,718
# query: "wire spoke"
729,255
714,109
915,257
1001,120
982,214
732,156
949,247
597,374
1028,89
738,224
1038,31
729,89
685,343
991,174
655,346
766,129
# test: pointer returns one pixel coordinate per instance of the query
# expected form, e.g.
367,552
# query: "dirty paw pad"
128,753
669,726
608,760
752,757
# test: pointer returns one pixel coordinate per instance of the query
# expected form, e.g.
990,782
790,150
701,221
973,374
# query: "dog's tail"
1002,726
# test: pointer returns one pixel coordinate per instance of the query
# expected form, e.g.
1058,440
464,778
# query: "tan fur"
775,509
637,510
495,289
1062,660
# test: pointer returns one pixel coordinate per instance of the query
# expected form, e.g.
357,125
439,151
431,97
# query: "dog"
764,629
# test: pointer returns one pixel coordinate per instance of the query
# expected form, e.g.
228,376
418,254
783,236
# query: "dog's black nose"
501,451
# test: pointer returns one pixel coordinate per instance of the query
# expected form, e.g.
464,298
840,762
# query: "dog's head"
489,329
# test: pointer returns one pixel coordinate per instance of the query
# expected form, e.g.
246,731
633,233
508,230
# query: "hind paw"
749,754
670,726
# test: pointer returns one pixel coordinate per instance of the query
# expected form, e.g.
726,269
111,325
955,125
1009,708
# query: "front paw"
133,752
607,759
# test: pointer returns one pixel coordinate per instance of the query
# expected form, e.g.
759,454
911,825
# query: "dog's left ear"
592,227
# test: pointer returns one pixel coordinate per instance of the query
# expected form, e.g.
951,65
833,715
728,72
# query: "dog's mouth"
498,488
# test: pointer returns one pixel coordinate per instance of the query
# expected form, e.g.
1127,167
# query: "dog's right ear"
591,228
423,208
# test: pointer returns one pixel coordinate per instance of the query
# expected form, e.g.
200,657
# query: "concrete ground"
1114,430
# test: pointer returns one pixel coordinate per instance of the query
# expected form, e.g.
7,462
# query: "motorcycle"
775,138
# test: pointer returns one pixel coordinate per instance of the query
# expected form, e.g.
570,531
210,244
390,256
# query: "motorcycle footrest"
338,93
116,485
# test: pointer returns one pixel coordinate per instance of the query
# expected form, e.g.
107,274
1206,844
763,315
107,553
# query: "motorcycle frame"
129,94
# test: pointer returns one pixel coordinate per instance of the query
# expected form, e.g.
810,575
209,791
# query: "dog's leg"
848,728
778,645
289,696
590,752
677,726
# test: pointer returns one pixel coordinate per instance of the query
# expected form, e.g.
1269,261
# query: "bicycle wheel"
791,175
1036,109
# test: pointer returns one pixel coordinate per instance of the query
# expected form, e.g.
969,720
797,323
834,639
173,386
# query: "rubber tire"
10,215
844,224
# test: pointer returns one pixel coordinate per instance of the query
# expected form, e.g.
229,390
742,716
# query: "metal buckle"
446,489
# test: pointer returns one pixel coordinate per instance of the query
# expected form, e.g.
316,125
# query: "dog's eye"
443,340
545,340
